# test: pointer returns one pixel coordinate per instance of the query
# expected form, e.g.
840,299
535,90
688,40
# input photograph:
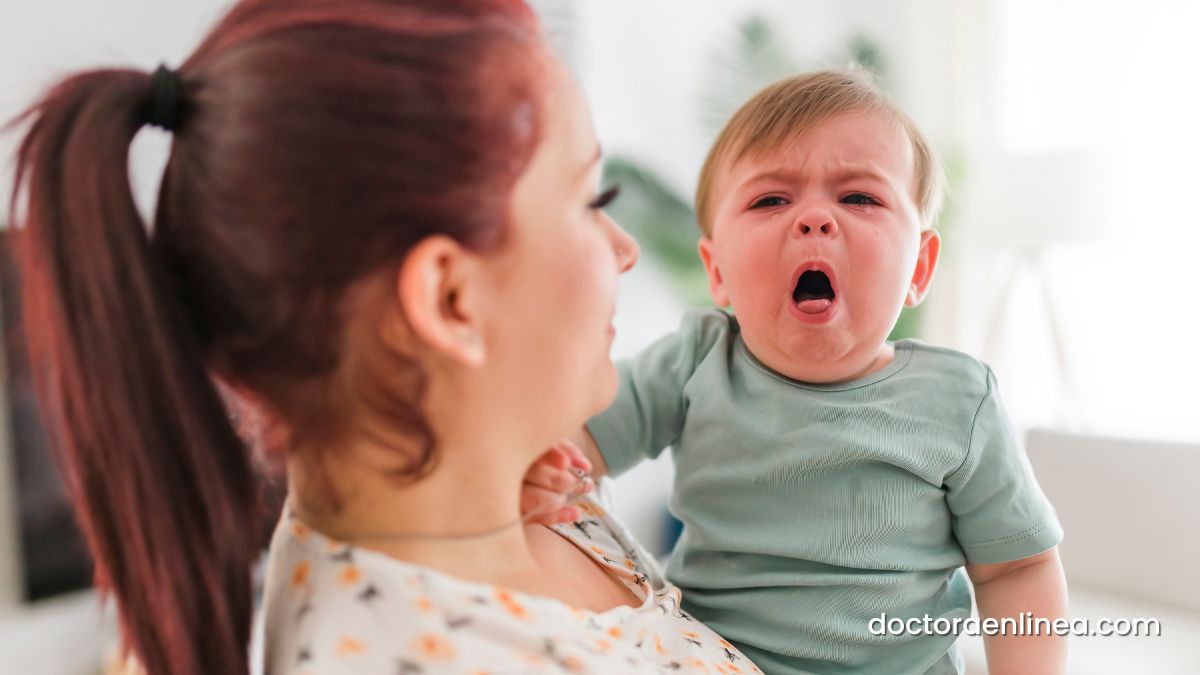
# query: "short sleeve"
648,412
999,511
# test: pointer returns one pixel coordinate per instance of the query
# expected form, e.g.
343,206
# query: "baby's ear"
716,287
927,257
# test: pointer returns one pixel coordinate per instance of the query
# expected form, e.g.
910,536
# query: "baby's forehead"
851,143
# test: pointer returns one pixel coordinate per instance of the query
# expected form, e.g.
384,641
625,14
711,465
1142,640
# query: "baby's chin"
816,356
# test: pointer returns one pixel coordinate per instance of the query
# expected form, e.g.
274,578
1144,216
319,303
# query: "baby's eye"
768,202
860,199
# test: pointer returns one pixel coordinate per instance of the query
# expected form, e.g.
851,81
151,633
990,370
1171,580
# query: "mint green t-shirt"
809,509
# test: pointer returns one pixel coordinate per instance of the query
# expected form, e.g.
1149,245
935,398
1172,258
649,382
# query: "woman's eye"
768,202
605,198
860,199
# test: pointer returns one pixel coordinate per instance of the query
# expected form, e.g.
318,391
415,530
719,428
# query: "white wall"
644,64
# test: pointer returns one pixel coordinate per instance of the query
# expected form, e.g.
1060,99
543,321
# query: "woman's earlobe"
473,352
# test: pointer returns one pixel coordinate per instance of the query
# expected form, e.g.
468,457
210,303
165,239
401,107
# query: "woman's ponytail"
163,488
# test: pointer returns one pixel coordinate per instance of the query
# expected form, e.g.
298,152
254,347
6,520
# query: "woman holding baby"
368,209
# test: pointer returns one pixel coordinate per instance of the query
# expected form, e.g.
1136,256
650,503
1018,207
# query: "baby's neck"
885,355
833,372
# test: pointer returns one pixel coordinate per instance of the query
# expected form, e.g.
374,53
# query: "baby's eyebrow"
837,175
855,172
773,175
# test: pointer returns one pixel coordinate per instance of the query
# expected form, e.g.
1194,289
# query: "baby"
825,476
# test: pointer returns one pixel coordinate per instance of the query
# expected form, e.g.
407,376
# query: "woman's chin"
606,386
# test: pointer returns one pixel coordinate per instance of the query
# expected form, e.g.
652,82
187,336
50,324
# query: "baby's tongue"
814,306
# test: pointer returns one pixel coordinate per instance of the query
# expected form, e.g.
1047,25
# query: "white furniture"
1131,513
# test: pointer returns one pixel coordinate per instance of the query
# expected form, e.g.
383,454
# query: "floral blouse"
331,608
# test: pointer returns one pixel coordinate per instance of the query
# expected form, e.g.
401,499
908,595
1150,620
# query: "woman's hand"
561,473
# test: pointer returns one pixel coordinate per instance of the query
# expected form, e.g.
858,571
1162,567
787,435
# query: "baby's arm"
1009,533
646,416
584,441
1034,584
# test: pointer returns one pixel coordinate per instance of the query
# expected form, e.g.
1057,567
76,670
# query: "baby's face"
818,245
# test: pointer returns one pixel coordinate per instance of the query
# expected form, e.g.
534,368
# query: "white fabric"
333,608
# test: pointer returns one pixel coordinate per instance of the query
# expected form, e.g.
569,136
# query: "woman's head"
363,198
525,327
321,141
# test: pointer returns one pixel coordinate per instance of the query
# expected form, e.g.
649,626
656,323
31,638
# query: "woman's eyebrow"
592,162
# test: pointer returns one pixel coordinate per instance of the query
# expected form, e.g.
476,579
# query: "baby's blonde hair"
797,104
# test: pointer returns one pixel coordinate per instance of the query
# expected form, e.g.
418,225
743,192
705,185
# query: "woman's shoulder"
333,608
330,607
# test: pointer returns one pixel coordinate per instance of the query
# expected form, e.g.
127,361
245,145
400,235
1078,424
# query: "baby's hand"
557,476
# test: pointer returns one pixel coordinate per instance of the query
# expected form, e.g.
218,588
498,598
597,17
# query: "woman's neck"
463,518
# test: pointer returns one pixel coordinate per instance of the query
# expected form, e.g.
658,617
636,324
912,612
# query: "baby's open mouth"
813,294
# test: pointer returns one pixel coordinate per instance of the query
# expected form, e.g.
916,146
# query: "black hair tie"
165,108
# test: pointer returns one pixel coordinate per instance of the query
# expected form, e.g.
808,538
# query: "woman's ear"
439,288
927,257
716,287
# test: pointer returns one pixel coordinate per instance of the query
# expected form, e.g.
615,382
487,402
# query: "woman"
379,228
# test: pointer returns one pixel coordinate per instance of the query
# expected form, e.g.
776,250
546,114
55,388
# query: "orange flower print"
300,530
573,664
300,573
658,645
348,646
350,575
599,551
517,610
629,563
615,631
425,605
724,643
604,645
433,647
509,603
697,664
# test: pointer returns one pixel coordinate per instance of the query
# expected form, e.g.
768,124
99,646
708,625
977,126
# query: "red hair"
320,140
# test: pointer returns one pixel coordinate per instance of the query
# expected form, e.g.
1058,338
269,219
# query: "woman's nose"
624,246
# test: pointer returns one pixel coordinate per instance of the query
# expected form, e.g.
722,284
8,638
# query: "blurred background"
1070,262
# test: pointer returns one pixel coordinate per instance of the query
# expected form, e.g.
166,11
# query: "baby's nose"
815,223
